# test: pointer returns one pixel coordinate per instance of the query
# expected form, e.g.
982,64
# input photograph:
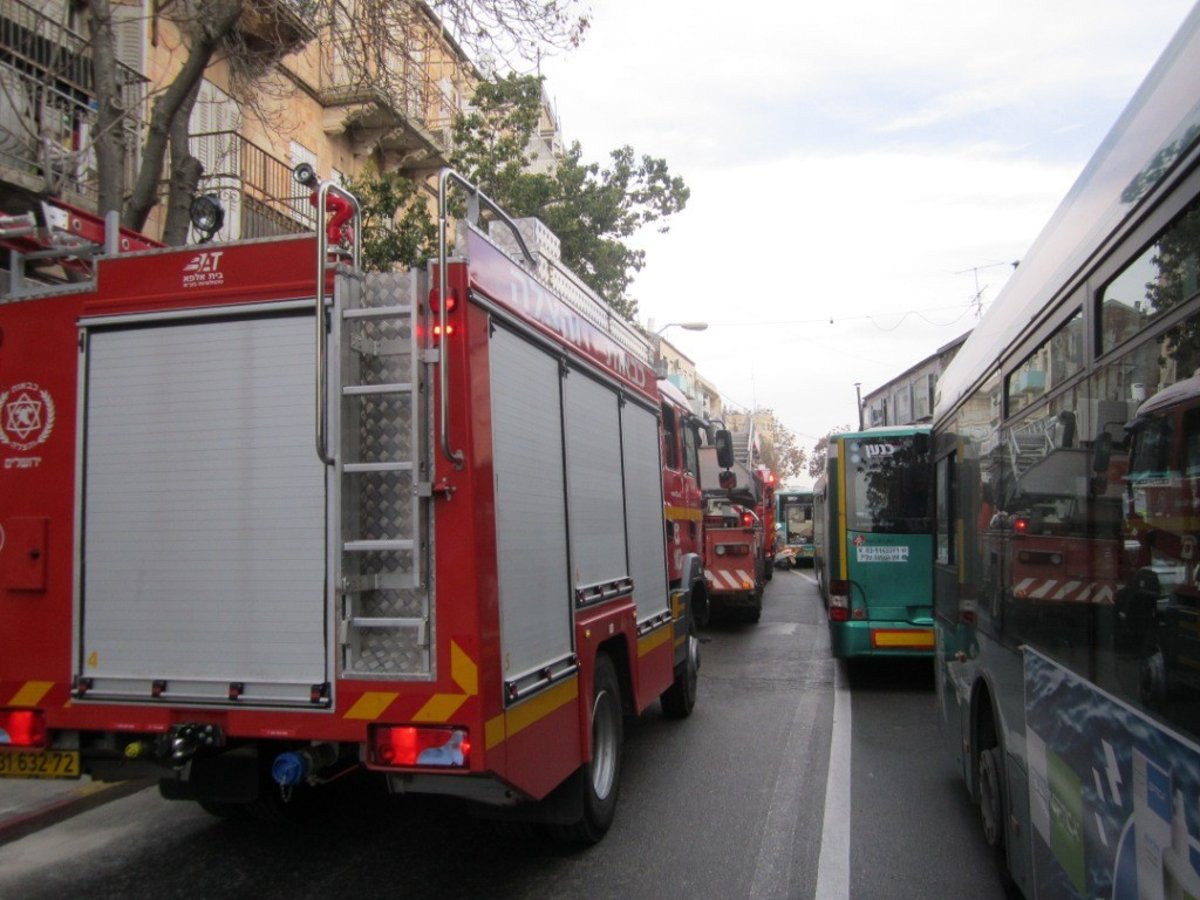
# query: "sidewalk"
29,804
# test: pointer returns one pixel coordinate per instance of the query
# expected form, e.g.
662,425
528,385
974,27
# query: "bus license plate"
39,764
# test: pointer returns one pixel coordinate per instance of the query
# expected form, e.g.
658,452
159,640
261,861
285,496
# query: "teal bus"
873,543
794,515
1067,524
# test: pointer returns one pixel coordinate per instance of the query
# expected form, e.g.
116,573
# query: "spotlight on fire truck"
207,216
306,175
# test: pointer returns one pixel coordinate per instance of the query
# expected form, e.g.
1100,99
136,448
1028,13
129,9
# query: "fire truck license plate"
39,764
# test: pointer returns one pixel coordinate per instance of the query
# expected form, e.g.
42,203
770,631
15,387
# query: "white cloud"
846,161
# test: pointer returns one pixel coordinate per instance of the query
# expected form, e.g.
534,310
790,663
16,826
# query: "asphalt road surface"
793,778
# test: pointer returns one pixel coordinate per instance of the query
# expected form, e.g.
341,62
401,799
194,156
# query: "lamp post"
660,364
858,395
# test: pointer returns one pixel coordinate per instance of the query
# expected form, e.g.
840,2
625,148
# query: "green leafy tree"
593,209
398,229
820,453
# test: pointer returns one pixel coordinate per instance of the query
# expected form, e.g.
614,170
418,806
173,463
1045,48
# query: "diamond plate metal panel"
384,457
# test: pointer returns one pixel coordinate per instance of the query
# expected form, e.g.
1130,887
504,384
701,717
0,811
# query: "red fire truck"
734,538
268,520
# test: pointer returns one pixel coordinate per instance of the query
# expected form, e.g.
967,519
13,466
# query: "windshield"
888,485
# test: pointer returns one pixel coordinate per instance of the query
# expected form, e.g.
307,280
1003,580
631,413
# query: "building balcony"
278,25
405,117
256,189
48,110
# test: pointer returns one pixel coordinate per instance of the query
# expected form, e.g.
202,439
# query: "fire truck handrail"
322,329
475,198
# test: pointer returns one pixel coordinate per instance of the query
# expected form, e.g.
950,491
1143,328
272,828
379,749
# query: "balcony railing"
48,106
404,109
256,189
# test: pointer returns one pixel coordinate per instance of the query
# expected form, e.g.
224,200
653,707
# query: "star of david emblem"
24,416
28,416
859,540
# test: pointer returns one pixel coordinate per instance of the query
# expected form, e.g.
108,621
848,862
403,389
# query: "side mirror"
723,441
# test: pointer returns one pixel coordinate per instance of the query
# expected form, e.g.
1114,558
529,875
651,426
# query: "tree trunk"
215,20
110,112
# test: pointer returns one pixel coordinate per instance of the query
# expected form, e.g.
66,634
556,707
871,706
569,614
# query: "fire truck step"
378,312
377,467
380,622
375,546
361,390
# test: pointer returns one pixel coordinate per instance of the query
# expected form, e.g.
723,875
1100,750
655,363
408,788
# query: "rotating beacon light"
339,209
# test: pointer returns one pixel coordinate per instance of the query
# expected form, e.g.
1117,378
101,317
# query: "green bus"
794,515
873,542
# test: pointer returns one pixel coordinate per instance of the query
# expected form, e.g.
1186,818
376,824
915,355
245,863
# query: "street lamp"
686,326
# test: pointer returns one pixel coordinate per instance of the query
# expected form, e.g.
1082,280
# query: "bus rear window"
888,485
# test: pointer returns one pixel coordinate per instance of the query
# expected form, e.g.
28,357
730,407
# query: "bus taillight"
839,601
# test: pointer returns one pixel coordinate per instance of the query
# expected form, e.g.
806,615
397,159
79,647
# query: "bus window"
1165,275
887,485
944,549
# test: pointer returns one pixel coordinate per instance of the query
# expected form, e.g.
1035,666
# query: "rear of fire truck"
244,552
734,539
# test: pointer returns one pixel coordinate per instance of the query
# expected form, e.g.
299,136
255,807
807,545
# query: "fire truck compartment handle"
322,329
475,199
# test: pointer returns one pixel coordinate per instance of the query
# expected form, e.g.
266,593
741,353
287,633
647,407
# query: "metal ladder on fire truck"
372,428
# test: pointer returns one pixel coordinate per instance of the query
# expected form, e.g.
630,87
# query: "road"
743,799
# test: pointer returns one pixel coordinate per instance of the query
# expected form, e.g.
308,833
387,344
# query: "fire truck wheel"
679,699
598,778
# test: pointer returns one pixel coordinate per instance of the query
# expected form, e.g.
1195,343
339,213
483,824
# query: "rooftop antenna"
977,299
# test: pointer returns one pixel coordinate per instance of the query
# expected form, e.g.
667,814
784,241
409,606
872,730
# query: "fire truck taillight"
1021,525
435,306
732,549
22,728
396,746
1033,557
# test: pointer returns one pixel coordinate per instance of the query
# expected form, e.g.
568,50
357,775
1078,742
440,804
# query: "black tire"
991,798
599,778
679,699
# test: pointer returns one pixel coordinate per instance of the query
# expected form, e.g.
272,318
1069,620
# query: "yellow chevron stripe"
440,708
371,705
536,708
463,670
31,693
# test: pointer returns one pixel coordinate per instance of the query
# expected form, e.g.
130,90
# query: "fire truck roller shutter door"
595,491
644,509
531,532
204,511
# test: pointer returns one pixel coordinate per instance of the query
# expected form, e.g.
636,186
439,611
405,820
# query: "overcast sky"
862,162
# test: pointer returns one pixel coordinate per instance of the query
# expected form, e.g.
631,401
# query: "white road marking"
833,868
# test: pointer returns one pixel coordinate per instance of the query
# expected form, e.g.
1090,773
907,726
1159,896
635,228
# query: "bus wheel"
680,698
599,778
991,797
